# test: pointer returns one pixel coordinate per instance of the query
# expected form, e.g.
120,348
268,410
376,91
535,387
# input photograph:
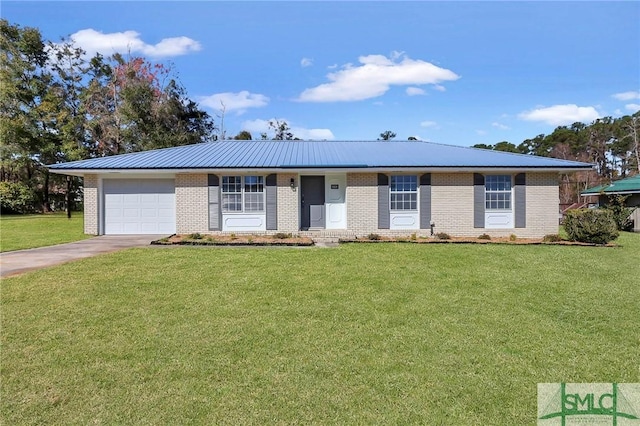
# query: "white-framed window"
404,192
242,194
497,192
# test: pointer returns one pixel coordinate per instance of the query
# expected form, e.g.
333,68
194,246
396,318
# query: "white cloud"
500,126
333,67
559,115
439,88
415,91
374,77
481,132
428,123
258,126
632,107
238,102
93,42
312,134
306,62
627,96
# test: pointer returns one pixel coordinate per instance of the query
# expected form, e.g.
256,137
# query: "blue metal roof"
316,154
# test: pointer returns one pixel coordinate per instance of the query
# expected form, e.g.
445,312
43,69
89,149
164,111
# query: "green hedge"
591,226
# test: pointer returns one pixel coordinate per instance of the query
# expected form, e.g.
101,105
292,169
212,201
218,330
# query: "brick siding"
192,203
451,200
362,203
288,204
90,185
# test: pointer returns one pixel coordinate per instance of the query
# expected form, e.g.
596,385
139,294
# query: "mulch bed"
296,241
237,240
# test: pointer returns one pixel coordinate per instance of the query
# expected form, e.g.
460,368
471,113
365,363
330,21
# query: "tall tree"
505,147
482,146
137,105
55,105
243,136
24,81
387,135
282,131
626,145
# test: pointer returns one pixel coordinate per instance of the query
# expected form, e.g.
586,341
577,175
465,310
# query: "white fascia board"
316,170
596,194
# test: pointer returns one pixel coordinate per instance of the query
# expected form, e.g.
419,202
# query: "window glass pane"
498,192
253,184
254,202
231,184
404,192
239,190
231,202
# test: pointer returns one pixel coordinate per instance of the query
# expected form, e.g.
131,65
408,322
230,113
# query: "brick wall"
452,206
288,204
90,185
362,203
543,198
192,203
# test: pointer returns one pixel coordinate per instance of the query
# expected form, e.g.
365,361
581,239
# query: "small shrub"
513,237
195,236
164,240
551,238
373,237
281,236
250,240
617,205
595,226
443,236
233,237
414,237
484,237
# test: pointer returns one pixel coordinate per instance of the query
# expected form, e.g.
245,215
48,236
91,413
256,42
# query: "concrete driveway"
17,262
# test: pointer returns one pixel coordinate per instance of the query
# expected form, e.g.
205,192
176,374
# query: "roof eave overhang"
327,169
595,194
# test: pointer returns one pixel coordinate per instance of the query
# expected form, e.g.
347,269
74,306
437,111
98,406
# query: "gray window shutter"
520,203
384,219
215,216
425,201
478,200
271,195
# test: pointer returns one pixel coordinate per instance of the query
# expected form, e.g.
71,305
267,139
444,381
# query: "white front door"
336,208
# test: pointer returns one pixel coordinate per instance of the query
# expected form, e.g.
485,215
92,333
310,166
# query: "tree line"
57,105
611,144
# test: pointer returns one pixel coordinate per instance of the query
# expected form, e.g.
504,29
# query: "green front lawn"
38,230
360,334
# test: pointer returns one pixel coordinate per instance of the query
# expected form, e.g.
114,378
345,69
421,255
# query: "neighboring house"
329,188
629,187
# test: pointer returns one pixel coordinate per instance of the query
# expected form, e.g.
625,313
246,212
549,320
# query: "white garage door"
139,206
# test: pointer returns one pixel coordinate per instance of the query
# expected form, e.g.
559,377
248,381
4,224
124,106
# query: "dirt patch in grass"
234,240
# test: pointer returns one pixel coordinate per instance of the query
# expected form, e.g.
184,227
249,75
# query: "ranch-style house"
333,188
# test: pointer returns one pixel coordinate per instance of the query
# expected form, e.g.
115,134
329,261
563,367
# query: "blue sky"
458,73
